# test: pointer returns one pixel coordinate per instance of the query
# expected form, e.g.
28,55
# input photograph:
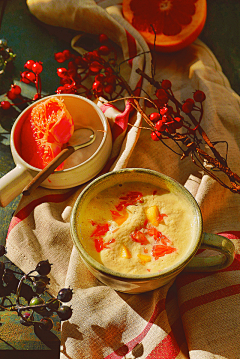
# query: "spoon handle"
41,176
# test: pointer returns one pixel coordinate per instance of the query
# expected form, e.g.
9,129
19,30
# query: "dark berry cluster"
6,55
31,287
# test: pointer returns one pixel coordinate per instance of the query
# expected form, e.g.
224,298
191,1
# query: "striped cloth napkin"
197,316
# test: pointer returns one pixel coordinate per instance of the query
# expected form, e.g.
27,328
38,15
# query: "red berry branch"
96,74
168,119
31,75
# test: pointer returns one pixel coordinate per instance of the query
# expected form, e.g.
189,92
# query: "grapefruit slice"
45,132
177,23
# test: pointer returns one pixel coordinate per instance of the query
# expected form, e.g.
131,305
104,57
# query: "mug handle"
12,184
222,260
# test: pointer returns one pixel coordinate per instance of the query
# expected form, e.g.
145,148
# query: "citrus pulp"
45,132
168,25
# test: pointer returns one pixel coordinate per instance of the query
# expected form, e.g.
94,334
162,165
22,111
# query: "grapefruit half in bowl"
169,24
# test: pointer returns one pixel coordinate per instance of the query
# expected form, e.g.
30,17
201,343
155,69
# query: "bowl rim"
103,119
169,271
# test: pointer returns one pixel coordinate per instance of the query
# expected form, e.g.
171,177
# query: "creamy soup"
136,228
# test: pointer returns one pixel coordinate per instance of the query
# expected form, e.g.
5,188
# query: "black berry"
43,267
65,295
64,312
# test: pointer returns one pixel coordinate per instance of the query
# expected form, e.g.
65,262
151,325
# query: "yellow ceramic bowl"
130,283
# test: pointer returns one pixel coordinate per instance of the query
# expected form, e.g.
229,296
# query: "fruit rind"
177,42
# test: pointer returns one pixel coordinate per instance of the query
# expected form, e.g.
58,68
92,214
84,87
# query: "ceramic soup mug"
137,229
83,164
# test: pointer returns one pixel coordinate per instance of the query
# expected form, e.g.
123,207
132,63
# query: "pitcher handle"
12,184
221,244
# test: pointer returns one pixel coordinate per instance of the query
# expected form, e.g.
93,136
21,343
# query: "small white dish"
81,167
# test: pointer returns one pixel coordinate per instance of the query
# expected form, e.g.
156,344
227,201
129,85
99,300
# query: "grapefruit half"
45,132
171,24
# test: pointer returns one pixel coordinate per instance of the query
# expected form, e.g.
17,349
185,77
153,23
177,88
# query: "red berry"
111,79
72,65
104,50
24,78
170,110
109,89
109,71
29,64
11,95
155,117
59,57
97,86
162,95
164,110
62,72
36,97
187,107
69,88
95,67
178,122
30,76
65,80
155,136
95,54
60,90
72,72
16,89
199,96
166,118
100,78
171,128
103,38
67,54
159,103
91,56
5,105
160,126
78,60
166,84
37,67
190,100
